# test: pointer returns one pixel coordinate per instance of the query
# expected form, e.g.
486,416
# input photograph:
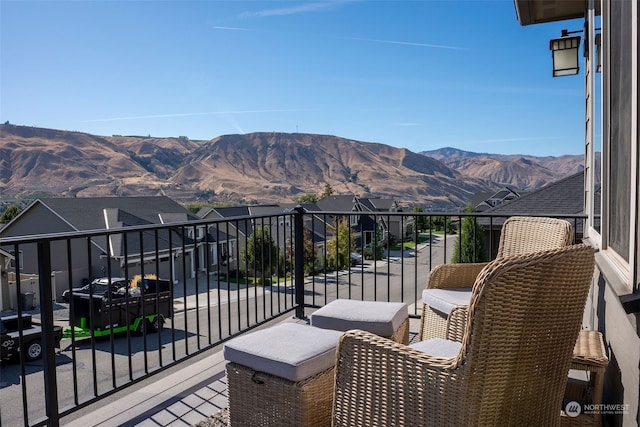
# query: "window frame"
12,261
625,265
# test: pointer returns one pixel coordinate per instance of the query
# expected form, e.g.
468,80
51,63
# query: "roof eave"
537,12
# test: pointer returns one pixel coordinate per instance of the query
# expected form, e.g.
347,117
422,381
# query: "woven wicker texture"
260,399
401,334
589,350
589,355
511,369
519,235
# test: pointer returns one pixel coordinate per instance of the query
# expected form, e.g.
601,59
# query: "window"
226,252
284,221
353,220
12,263
620,97
619,191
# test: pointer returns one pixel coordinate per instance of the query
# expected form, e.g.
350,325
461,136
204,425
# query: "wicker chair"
519,235
510,369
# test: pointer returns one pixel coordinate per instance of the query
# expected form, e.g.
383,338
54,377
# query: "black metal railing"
191,286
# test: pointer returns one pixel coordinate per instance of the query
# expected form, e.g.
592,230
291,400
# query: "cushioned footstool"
281,376
387,319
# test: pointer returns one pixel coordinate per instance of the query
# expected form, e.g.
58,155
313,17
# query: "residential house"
398,227
368,228
611,50
231,236
6,260
483,201
107,254
565,196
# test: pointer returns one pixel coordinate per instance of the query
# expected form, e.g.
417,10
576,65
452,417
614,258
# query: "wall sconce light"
564,52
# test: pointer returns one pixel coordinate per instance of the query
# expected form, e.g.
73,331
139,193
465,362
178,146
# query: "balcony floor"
184,396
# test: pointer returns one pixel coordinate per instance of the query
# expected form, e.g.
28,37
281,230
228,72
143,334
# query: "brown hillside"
257,167
518,171
278,166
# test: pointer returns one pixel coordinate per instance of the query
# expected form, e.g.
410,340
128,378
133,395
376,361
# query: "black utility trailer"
99,315
10,344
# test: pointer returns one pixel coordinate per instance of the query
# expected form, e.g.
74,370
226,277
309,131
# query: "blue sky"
414,74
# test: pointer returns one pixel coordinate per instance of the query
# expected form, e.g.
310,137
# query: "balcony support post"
48,338
298,270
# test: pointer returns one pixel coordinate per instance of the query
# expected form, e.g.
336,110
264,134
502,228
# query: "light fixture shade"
564,52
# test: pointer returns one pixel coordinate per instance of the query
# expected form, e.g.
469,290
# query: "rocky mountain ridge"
260,167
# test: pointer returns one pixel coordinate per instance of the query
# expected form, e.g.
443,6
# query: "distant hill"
258,167
519,171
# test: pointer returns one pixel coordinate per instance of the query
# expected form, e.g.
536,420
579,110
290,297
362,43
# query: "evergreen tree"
10,213
307,198
421,221
469,245
376,249
309,253
261,252
340,247
326,191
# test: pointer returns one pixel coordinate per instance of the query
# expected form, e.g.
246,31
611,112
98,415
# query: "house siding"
614,228
42,221
616,275
89,256
620,332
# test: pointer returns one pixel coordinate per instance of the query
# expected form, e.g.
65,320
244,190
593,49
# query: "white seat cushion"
444,300
438,347
378,317
288,350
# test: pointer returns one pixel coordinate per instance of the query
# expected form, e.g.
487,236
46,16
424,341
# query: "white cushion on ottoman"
288,350
445,300
378,317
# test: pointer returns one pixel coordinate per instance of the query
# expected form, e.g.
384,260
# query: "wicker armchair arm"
451,276
382,383
457,323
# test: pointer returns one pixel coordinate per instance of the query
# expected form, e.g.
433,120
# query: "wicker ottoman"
387,319
281,376
589,355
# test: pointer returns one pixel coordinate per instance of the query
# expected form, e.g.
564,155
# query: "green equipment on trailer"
144,310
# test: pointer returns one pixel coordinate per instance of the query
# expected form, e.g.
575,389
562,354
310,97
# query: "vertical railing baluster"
183,251
171,279
195,260
48,338
109,296
74,364
298,275
157,318
125,248
207,260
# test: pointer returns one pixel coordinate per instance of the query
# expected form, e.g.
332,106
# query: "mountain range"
261,167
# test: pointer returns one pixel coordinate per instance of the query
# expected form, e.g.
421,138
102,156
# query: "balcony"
227,277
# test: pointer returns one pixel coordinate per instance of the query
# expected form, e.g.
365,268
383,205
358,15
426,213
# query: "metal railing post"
298,270
47,336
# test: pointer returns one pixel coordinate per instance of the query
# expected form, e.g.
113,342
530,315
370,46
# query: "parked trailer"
100,315
31,337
